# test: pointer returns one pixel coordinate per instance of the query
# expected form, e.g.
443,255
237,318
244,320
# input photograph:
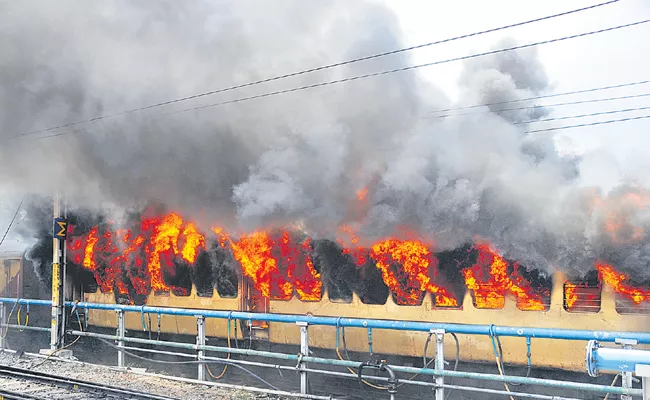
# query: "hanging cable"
498,360
64,347
352,371
225,367
220,362
4,336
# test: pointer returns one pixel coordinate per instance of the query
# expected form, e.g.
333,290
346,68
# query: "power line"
320,68
590,90
12,221
546,96
412,67
589,124
570,103
582,115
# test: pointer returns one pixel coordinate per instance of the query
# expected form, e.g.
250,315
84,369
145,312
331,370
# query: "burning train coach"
165,260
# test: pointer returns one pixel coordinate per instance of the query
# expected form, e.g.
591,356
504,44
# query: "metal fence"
304,362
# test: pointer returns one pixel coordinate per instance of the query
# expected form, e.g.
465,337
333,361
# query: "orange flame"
490,294
359,254
570,295
253,251
193,242
362,194
301,269
163,241
617,281
89,261
410,281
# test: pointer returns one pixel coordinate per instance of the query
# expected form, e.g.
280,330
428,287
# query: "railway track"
23,384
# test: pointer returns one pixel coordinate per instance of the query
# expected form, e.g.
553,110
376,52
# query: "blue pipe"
614,359
469,329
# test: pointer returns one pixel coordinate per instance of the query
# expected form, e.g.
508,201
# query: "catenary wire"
411,67
546,96
320,68
532,121
570,103
589,90
589,124
12,221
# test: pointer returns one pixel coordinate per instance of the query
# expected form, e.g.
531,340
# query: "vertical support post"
57,298
440,362
643,372
3,322
304,352
200,341
626,377
121,332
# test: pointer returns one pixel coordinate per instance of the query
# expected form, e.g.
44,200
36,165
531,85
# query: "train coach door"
253,301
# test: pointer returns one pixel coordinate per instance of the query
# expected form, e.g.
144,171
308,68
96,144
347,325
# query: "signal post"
59,233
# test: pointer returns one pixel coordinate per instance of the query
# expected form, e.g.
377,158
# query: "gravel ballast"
131,380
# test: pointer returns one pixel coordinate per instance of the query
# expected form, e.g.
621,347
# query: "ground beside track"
104,375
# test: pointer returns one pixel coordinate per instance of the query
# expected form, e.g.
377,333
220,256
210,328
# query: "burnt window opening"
583,294
538,288
225,278
202,275
336,270
371,288
177,274
636,300
449,276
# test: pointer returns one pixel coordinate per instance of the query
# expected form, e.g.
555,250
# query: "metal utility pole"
60,228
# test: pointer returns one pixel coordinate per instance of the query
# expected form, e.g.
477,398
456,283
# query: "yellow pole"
57,306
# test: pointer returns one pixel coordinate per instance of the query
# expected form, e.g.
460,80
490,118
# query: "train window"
448,275
488,297
224,275
636,301
371,287
202,275
536,295
583,295
337,272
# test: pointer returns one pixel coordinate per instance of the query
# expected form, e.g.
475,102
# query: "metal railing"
304,361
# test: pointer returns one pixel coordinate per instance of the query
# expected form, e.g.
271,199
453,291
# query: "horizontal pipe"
353,376
470,329
611,359
354,364
26,328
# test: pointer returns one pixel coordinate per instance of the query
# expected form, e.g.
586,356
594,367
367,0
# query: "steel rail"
75,383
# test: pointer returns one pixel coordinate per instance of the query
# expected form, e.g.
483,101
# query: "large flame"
490,291
617,281
279,264
405,267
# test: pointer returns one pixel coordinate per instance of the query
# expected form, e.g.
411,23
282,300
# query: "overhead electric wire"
412,67
12,221
589,124
532,121
320,68
546,96
570,103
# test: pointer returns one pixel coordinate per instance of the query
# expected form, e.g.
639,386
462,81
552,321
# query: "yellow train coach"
586,306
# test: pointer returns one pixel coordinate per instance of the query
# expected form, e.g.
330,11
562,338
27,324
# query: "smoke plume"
300,157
